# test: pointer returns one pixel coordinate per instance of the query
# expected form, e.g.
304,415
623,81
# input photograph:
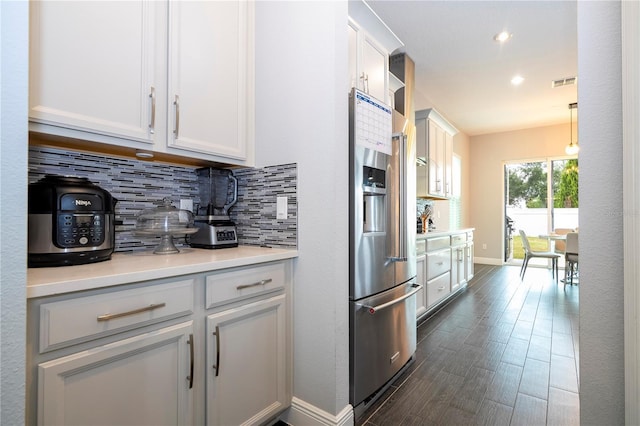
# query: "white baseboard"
488,261
302,413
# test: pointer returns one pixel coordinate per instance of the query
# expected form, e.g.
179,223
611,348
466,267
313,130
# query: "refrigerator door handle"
373,309
400,155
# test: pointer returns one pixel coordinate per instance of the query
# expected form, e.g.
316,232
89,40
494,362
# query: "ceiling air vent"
564,82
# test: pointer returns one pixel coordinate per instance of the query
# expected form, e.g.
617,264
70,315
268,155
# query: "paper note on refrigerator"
373,123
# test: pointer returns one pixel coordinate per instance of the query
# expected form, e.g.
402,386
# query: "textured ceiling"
463,73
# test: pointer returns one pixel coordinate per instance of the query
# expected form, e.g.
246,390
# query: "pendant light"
572,148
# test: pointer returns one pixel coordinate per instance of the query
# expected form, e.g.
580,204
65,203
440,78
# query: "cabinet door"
457,267
422,158
246,363
436,156
421,278
211,77
447,164
143,380
368,63
92,66
469,269
375,65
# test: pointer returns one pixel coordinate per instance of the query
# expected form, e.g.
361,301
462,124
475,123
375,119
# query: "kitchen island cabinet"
143,87
198,346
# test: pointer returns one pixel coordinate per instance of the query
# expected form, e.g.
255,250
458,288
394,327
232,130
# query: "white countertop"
442,233
131,267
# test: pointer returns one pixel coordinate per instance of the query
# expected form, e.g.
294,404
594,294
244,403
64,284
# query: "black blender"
218,193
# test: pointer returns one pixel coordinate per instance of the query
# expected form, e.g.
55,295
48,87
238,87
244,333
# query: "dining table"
552,238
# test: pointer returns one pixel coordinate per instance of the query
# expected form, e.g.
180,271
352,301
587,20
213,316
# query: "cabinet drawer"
437,243
438,288
470,236
238,284
76,320
421,247
438,263
458,239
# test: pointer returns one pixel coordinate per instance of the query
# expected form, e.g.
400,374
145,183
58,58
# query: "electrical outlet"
281,207
484,246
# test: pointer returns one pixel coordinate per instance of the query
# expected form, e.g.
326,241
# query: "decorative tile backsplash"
139,185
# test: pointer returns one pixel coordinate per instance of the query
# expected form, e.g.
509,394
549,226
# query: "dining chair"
560,245
571,257
529,254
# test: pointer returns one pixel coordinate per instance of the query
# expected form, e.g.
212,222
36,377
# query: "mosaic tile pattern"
255,212
139,185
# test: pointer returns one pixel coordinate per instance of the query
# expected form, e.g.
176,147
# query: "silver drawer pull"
262,282
107,317
440,288
440,263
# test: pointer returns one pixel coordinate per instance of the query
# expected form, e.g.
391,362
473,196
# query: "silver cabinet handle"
365,82
262,282
152,123
373,309
191,351
217,364
440,288
176,127
107,317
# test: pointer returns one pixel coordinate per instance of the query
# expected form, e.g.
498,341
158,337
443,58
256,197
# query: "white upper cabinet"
210,77
92,66
370,43
434,151
368,64
172,77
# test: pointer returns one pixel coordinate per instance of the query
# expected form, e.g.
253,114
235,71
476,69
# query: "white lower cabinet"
211,347
444,266
142,380
421,296
457,267
438,288
468,259
246,363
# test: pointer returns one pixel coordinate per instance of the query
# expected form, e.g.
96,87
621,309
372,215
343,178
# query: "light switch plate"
186,205
281,207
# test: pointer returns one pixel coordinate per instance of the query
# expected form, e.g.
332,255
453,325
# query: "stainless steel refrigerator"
382,249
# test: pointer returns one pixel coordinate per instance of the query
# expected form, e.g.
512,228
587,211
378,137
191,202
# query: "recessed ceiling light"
517,80
502,36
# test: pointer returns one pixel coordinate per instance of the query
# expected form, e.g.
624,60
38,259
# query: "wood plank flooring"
505,352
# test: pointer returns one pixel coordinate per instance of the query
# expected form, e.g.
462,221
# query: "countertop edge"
127,268
433,234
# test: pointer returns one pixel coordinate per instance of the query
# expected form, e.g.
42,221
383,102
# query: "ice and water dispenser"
374,199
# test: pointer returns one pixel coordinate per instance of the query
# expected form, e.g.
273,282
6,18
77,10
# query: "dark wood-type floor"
505,352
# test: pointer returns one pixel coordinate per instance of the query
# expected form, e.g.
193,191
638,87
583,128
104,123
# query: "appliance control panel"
226,235
80,230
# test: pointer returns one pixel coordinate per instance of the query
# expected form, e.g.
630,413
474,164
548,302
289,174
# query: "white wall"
601,246
13,208
302,117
